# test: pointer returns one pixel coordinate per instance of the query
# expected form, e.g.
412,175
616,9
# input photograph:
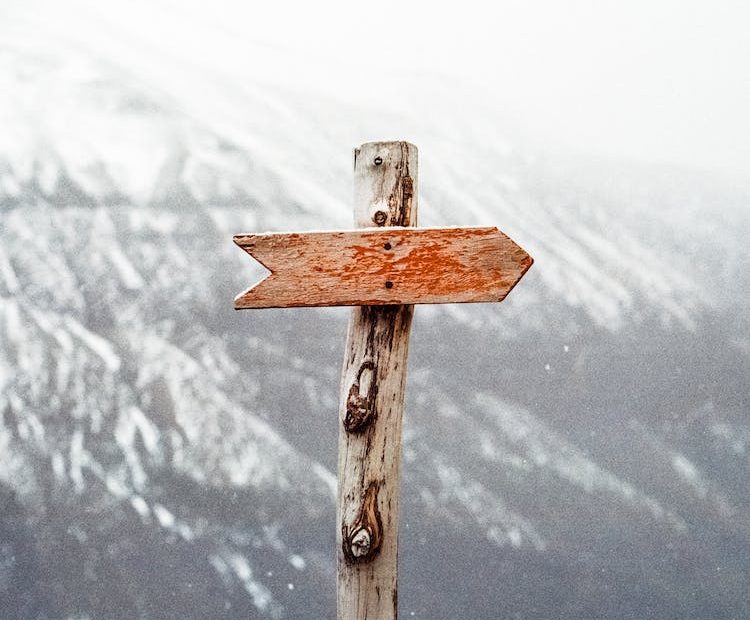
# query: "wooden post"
372,399
378,272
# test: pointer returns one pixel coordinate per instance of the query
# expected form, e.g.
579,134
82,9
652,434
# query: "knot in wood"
379,217
360,410
361,541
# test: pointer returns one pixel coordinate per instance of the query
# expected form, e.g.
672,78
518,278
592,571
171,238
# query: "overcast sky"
653,81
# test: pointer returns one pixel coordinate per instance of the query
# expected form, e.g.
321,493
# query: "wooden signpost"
381,269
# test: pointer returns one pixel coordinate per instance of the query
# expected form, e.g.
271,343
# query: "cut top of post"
385,179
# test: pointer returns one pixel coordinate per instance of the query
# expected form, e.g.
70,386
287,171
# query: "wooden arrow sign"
377,266
382,272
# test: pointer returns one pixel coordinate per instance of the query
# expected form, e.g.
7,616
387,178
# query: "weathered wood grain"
382,271
383,266
374,378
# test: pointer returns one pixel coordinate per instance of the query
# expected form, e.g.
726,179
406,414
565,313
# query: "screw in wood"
387,246
378,160
379,217
388,284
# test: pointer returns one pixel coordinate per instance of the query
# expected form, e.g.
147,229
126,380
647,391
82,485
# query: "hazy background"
581,450
656,82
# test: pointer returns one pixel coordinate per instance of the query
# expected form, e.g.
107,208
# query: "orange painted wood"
378,266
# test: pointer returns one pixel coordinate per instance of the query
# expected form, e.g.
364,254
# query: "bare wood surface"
383,266
372,398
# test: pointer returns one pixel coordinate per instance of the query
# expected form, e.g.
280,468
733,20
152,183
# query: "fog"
579,451
654,82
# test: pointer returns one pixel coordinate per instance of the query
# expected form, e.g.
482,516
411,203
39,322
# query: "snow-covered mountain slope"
82,133
579,451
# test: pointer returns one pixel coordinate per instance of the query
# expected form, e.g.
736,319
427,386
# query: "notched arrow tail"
250,297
